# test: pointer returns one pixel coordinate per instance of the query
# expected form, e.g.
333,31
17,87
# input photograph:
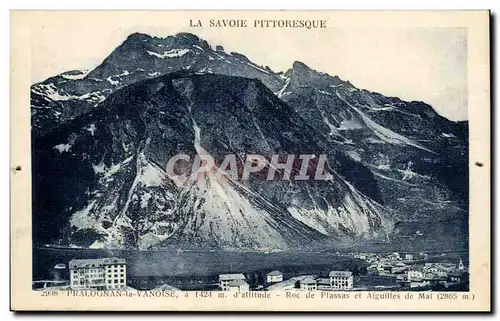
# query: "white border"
214,4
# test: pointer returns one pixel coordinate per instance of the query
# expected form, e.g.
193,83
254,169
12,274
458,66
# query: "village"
393,272
380,272
415,271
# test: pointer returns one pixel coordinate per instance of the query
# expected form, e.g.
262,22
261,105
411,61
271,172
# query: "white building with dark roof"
225,279
415,273
274,277
238,285
309,284
341,280
98,274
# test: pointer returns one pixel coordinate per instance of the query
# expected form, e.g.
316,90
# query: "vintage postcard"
250,160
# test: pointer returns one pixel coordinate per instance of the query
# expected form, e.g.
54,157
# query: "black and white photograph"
216,155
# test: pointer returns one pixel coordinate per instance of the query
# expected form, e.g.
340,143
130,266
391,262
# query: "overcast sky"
426,64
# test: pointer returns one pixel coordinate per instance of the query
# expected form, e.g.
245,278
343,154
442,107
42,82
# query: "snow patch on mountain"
382,132
112,81
150,175
91,128
377,174
63,147
75,75
258,68
282,92
222,58
51,92
94,97
173,53
101,168
204,70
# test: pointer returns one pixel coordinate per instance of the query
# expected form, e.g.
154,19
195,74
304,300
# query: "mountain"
63,97
117,194
419,158
102,139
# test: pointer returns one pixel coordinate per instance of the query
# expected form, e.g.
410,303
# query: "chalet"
274,277
225,279
238,285
308,284
438,270
415,274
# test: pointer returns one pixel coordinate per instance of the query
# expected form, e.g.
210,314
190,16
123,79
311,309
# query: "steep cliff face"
419,159
128,200
101,140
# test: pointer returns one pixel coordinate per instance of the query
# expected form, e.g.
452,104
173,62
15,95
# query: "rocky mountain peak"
302,75
300,66
138,37
182,38
187,39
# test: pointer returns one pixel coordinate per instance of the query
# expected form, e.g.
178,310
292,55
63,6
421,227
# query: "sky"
409,62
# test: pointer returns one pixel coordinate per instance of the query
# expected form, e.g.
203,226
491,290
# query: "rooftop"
229,277
237,282
345,274
90,263
288,284
275,273
308,281
416,268
323,281
459,274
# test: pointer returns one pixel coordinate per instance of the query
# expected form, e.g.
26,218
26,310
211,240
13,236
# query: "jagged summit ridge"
141,56
59,99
